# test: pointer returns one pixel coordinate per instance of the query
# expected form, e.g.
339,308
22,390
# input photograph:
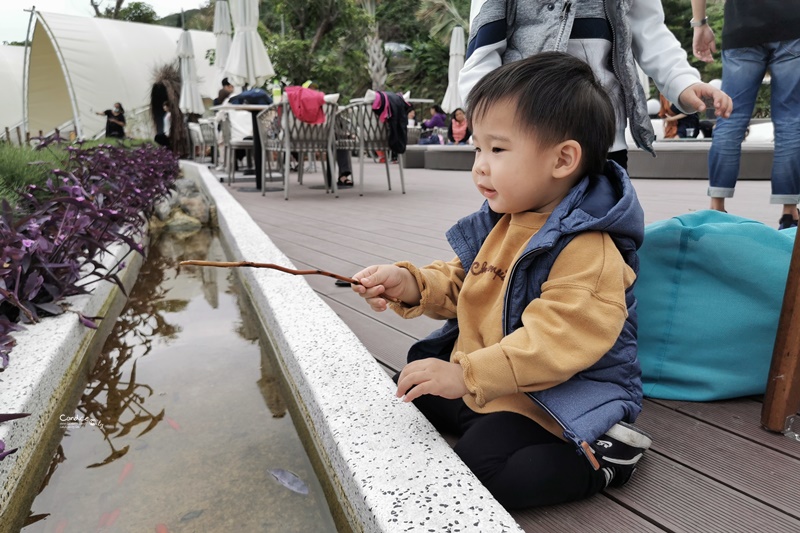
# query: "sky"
14,21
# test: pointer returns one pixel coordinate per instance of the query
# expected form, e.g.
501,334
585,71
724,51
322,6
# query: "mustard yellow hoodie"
576,320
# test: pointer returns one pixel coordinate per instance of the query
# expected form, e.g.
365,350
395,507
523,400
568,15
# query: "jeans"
742,72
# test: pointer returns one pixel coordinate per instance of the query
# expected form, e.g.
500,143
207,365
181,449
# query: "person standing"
166,125
756,36
611,36
115,121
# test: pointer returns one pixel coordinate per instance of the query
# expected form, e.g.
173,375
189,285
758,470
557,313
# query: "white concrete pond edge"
42,367
391,469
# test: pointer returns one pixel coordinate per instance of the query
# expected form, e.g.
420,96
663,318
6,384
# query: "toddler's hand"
431,376
385,280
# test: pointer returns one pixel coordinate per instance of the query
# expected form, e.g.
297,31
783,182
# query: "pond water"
181,426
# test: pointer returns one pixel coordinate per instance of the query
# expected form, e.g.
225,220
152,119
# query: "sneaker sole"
627,434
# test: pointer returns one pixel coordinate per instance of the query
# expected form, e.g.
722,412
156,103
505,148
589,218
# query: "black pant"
521,463
343,162
620,157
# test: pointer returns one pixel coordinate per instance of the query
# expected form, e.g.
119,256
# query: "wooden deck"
711,468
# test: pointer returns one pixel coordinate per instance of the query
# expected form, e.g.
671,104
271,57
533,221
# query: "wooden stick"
236,264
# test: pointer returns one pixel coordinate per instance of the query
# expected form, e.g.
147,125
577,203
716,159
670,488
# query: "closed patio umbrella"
248,62
222,31
191,102
452,98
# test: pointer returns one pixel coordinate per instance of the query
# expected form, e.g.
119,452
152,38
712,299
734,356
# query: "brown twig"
235,264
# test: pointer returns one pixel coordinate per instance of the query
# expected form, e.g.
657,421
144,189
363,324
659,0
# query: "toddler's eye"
497,150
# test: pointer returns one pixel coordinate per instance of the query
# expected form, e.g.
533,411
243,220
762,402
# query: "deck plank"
683,500
732,460
740,416
711,468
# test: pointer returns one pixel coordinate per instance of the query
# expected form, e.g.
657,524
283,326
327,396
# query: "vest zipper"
582,445
563,22
510,278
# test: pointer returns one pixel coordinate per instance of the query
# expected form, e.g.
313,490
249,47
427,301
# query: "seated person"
241,130
458,130
438,118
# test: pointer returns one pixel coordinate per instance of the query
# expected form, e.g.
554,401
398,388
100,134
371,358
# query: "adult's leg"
524,465
784,67
344,163
742,72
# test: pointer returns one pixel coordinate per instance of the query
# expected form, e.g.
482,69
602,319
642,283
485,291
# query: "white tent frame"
78,65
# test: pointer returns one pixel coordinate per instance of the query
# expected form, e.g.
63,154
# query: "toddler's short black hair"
558,98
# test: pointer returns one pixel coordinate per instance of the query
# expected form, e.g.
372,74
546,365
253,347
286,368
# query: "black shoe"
619,450
787,221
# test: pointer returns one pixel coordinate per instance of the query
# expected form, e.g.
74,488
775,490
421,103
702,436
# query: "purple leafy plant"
51,241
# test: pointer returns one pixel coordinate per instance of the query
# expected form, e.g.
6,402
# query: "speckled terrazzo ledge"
391,469
43,366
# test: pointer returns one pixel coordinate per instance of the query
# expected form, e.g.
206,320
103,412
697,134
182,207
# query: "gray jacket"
506,30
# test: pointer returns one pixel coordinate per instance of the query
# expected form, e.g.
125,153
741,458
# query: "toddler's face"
510,168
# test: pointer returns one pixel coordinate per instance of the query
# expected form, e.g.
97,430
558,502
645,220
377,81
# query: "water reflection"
171,431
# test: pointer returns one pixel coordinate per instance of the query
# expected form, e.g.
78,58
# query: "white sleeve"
484,58
658,52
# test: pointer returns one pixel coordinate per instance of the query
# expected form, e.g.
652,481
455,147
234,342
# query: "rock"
195,206
185,186
162,209
180,221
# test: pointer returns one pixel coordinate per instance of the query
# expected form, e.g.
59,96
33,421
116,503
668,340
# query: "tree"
108,12
443,16
376,65
138,12
322,40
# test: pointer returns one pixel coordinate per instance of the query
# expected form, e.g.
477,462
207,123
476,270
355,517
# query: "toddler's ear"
568,159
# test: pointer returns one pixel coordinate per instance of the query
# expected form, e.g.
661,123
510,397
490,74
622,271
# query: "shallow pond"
182,426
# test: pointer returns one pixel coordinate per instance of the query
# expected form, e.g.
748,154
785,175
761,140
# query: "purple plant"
5,418
51,241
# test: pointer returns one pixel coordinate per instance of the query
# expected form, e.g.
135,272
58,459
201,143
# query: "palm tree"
443,16
376,58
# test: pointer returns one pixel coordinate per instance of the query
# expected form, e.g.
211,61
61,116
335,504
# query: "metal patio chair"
230,146
283,133
209,139
358,128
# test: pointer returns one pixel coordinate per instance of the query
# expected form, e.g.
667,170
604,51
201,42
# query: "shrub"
51,242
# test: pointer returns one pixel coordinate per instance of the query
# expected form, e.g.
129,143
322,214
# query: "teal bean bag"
710,292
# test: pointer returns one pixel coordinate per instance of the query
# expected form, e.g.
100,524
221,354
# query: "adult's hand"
703,43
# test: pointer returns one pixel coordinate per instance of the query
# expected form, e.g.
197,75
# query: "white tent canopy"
79,65
12,62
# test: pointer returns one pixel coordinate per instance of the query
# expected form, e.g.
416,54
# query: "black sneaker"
619,450
787,221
